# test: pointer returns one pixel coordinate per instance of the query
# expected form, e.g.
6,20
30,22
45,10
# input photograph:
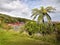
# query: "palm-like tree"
41,13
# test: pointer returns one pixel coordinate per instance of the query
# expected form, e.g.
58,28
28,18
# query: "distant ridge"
9,19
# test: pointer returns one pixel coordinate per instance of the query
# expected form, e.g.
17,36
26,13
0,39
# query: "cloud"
55,3
22,8
15,7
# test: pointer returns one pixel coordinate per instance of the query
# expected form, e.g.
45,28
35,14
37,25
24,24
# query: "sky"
23,8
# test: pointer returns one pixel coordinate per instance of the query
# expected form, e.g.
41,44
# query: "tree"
41,13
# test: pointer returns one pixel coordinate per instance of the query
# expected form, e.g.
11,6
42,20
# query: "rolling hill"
7,19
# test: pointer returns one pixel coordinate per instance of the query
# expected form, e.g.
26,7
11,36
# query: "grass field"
15,38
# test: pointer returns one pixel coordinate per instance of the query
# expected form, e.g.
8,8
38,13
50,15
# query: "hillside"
7,19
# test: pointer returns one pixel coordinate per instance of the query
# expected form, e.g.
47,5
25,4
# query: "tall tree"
41,13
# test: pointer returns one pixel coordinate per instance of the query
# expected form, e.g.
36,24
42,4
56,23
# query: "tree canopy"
41,13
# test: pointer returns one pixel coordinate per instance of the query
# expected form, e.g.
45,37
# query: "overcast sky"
22,8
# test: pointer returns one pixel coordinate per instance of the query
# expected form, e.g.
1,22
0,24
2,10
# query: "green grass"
15,38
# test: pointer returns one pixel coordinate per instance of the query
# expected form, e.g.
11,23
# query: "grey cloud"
4,7
20,9
6,1
58,1
14,7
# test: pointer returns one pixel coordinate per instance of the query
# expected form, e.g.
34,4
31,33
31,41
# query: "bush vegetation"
33,27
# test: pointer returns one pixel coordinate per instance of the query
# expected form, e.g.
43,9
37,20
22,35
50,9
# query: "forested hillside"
7,19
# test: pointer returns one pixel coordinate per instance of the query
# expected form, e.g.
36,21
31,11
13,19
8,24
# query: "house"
16,25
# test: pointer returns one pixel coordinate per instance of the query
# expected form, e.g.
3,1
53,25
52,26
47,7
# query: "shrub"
31,27
44,28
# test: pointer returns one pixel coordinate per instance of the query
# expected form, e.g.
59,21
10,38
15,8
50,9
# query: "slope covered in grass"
15,38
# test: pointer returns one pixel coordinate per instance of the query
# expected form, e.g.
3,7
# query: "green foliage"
57,29
31,27
41,13
44,28
8,19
